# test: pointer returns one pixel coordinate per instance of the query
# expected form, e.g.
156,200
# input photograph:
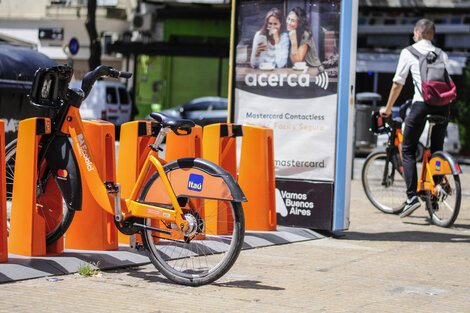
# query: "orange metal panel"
189,146
88,169
27,225
220,146
93,228
256,178
3,205
133,149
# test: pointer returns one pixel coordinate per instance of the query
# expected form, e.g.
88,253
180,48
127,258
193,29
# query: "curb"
21,267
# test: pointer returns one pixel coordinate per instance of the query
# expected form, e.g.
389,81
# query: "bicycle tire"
57,223
389,198
205,258
444,209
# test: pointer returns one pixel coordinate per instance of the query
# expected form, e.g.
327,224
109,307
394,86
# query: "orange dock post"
92,227
177,147
133,149
189,146
3,204
27,225
256,178
220,146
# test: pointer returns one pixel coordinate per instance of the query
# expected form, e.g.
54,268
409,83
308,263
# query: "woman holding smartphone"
271,43
302,46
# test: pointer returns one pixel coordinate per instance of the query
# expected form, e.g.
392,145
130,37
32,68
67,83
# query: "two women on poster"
275,47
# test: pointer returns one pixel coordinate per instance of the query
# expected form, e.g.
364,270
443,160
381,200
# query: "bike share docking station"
216,143
92,227
28,221
3,204
133,148
256,169
134,144
28,231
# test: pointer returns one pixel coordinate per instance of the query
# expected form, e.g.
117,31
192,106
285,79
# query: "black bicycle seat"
173,123
436,119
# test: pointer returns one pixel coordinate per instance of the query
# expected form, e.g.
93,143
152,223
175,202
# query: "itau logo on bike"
195,182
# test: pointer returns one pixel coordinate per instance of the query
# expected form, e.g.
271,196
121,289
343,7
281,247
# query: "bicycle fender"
443,163
64,167
198,178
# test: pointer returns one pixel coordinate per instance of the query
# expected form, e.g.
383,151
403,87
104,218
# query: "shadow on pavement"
248,284
411,236
463,226
152,277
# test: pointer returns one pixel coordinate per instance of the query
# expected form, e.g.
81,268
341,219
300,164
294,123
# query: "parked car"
203,111
109,101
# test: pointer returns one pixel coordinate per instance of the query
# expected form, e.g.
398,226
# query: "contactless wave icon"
322,80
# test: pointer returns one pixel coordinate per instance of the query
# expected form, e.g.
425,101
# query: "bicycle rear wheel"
388,196
444,208
207,251
57,221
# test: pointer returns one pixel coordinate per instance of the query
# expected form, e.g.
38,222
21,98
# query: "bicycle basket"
377,123
50,85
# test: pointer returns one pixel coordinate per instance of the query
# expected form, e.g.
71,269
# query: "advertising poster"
285,77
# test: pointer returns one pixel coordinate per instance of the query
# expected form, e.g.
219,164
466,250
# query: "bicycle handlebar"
101,71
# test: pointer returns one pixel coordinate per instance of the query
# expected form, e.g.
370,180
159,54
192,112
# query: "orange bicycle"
438,184
188,211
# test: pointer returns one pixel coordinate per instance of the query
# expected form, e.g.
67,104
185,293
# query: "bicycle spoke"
385,190
448,206
56,216
444,208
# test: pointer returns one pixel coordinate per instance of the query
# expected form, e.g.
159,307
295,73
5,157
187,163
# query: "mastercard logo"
62,173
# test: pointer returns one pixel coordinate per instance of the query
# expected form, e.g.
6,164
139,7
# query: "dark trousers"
414,125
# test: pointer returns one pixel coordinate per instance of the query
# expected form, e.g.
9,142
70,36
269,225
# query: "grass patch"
88,269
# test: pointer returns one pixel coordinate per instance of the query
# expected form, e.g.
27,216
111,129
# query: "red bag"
437,87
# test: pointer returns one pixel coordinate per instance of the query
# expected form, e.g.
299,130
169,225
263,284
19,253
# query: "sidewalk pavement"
381,264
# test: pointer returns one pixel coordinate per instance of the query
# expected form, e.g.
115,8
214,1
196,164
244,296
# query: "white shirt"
408,62
275,54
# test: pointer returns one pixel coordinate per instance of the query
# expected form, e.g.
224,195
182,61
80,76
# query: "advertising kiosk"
293,70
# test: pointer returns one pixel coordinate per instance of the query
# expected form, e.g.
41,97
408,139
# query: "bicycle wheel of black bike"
444,208
57,221
205,252
388,196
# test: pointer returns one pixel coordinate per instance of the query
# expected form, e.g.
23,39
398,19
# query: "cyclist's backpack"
437,88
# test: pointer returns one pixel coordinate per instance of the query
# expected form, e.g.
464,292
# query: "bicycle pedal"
139,247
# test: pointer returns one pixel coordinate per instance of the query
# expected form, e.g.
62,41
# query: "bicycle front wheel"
445,206
205,252
47,200
386,194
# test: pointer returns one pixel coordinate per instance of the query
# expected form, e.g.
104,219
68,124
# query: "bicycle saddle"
436,119
173,123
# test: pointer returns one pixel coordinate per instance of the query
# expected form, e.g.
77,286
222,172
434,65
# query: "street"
381,264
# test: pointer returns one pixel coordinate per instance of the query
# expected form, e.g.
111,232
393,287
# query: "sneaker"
410,206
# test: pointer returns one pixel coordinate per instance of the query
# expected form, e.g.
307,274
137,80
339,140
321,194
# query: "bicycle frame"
74,127
439,163
394,143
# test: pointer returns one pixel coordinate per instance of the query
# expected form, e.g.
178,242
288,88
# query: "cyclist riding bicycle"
415,121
